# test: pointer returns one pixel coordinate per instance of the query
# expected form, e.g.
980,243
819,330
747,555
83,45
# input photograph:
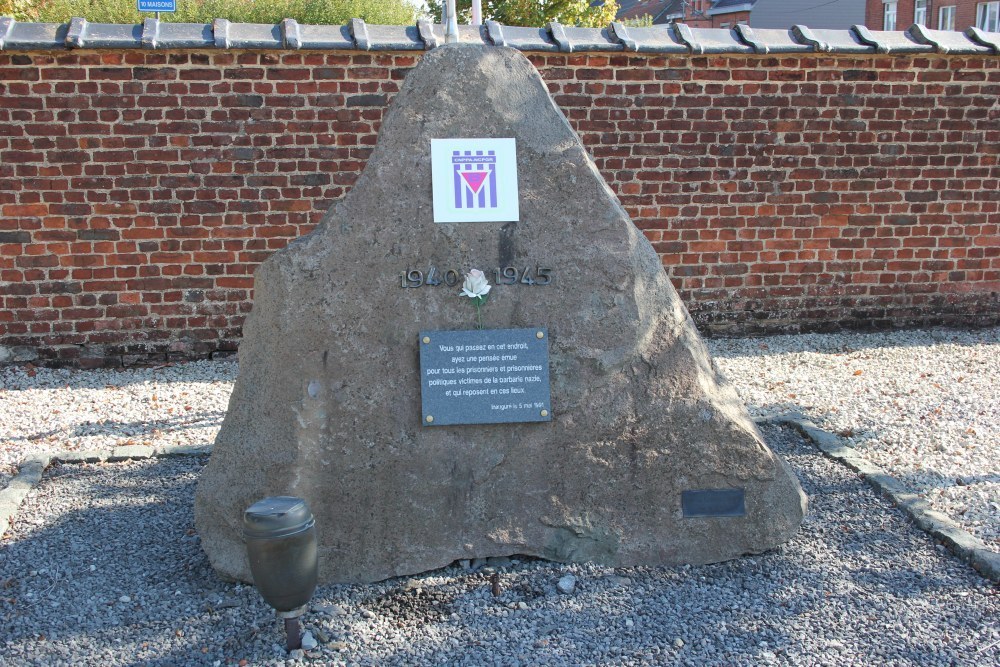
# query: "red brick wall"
730,19
965,14
140,190
873,14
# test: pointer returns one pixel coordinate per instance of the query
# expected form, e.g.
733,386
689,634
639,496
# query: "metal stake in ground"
293,634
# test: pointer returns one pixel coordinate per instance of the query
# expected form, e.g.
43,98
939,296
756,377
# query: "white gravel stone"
922,405
857,585
45,410
566,584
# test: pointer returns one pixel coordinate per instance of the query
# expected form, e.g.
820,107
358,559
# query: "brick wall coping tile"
357,35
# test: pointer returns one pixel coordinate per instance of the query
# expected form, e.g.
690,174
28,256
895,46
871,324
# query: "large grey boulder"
327,403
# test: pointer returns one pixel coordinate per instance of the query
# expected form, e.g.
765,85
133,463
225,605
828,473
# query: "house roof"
658,9
661,10
721,6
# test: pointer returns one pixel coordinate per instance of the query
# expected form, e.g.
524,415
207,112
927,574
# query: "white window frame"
888,15
920,12
946,17
988,16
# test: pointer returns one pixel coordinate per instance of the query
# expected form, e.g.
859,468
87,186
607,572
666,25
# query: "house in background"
755,13
695,13
727,13
660,11
833,15
934,14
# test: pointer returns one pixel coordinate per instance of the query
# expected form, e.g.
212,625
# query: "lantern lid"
277,516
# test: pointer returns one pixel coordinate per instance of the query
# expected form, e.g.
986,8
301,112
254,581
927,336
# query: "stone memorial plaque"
713,502
487,376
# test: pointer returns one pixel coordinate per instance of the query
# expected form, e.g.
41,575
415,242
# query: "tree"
536,13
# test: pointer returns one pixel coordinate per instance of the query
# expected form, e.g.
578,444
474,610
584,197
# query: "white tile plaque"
475,180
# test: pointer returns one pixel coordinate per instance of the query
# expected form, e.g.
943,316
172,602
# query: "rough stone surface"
182,450
566,584
131,452
17,354
327,402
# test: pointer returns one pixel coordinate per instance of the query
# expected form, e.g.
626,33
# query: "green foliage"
22,10
316,12
644,21
535,13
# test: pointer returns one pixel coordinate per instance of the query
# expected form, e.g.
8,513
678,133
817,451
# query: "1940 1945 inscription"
507,275
484,376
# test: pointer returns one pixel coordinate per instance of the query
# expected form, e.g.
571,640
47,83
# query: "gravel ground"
52,410
923,405
102,567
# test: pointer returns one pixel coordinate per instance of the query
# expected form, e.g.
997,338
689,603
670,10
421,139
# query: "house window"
889,15
946,18
920,12
988,16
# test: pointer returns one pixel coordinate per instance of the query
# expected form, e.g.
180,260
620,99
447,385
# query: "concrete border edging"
959,541
30,472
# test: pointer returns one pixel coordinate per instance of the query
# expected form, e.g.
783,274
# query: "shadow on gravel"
144,428
113,573
138,430
120,568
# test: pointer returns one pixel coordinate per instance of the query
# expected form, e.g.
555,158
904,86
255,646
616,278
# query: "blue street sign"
157,5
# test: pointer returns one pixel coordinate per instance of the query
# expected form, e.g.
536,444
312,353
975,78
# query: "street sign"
157,5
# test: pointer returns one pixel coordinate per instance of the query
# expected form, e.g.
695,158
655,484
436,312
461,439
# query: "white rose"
475,285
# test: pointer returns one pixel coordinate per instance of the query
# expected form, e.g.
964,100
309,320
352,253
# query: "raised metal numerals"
507,275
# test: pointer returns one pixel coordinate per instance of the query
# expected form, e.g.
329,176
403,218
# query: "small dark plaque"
485,376
713,502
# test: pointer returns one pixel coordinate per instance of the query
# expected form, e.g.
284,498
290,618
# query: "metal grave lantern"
280,536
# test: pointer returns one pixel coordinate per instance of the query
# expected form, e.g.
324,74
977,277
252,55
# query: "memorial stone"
645,455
